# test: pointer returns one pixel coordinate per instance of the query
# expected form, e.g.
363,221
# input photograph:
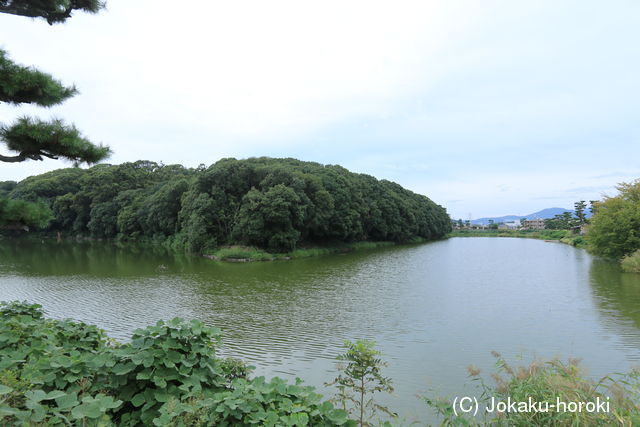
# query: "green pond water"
433,308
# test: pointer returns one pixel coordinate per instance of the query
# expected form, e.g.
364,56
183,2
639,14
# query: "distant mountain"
543,214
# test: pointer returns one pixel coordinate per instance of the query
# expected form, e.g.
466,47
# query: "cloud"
590,189
617,175
490,106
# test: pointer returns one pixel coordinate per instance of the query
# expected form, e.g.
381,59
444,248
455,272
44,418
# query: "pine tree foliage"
20,84
34,139
53,11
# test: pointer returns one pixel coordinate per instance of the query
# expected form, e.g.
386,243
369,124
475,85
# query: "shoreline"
240,254
228,253
561,236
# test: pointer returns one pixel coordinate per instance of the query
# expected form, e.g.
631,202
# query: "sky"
488,108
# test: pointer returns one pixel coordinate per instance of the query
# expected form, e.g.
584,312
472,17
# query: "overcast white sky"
489,108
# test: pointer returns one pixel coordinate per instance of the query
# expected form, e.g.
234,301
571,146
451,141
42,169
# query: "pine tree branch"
20,84
13,159
35,139
52,12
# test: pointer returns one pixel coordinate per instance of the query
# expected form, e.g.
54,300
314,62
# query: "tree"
562,221
615,228
275,204
20,215
34,139
580,208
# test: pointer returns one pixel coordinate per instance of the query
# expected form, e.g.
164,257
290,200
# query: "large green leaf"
89,408
67,401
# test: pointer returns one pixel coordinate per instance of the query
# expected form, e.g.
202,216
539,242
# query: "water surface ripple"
433,308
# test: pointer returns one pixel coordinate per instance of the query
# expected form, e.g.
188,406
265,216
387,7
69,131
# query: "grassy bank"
231,253
246,253
631,263
551,386
563,236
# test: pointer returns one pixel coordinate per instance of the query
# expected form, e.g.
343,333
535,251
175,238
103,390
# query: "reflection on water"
433,308
618,297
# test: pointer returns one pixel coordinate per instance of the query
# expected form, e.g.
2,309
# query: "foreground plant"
546,384
360,379
62,372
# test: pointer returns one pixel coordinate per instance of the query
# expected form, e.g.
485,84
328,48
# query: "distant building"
509,226
534,224
478,227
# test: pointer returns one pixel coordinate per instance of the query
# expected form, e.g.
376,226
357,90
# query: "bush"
62,372
256,402
549,382
173,359
51,371
631,263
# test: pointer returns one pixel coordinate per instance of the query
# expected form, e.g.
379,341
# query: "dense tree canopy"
276,204
615,228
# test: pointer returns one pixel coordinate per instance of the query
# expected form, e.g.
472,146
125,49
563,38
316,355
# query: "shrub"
360,378
549,382
631,263
256,402
51,371
171,359
62,372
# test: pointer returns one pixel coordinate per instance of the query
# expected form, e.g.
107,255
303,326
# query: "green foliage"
614,231
256,402
278,210
34,138
547,383
241,253
277,205
249,253
50,369
563,221
48,185
360,379
6,187
580,209
19,84
171,359
563,236
21,213
61,372
631,262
